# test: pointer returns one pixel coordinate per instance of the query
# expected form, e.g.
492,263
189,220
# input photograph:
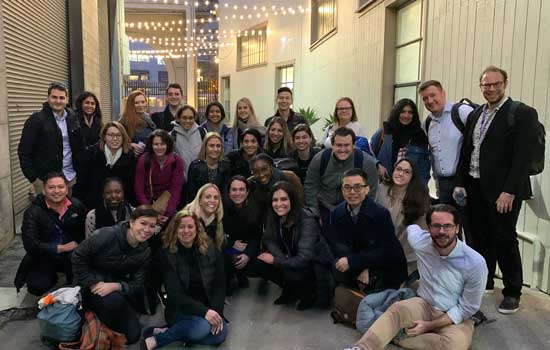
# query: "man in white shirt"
452,282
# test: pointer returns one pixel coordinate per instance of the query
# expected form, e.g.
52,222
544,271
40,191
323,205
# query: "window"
251,47
139,58
141,74
285,77
407,52
323,19
162,76
361,4
226,94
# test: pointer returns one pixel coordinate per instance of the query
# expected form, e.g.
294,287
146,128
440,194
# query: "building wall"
90,46
460,38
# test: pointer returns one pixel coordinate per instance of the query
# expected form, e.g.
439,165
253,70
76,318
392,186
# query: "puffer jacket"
41,146
305,234
108,257
175,273
38,229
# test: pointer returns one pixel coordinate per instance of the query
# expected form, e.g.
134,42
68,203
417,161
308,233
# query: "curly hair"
170,238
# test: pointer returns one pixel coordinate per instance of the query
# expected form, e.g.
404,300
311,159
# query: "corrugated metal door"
104,60
36,49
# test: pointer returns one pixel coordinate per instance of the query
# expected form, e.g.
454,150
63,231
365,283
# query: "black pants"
116,312
299,281
42,275
494,236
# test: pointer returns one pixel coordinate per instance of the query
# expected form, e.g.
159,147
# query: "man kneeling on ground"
452,281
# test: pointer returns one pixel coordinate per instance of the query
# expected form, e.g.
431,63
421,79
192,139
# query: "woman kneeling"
193,273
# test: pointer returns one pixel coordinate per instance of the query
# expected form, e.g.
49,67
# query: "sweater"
187,143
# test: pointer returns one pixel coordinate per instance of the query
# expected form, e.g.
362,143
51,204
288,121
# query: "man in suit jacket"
493,172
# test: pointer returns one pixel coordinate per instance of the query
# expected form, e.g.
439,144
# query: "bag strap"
357,158
455,116
427,124
325,158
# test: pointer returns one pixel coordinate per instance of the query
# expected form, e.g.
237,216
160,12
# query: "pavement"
255,323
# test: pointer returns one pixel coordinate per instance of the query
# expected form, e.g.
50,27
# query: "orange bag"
96,336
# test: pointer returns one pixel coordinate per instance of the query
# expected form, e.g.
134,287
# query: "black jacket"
39,234
198,176
244,224
107,257
163,119
305,234
41,146
90,135
239,165
96,171
293,120
369,243
504,156
175,274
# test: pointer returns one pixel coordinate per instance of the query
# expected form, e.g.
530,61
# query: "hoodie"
187,143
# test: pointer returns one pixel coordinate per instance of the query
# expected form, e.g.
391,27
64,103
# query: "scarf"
110,157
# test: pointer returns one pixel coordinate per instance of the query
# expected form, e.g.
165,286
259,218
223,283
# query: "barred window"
323,18
252,47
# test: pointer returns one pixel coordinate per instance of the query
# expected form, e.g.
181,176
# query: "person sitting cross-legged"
452,281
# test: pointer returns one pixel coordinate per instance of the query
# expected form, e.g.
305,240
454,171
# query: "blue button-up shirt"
446,140
68,169
453,284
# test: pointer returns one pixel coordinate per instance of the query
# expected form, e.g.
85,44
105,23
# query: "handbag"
59,323
161,203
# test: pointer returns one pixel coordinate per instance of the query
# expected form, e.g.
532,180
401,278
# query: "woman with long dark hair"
407,199
159,175
291,232
88,112
215,114
137,121
243,228
304,148
210,167
111,156
402,135
277,142
111,266
245,118
240,158
192,271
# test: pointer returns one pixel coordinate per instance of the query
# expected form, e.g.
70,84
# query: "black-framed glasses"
355,188
343,109
445,227
487,86
401,170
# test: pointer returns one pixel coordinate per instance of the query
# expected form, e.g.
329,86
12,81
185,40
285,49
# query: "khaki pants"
402,314
38,186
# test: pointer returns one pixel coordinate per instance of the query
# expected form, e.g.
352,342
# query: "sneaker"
509,305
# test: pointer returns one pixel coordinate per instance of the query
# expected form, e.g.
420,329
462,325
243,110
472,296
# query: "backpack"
455,116
96,336
537,152
325,158
286,164
59,323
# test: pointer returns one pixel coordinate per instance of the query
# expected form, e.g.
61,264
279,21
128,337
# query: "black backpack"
455,116
325,158
537,152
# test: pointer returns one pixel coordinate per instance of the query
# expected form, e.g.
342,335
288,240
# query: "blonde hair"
130,118
125,138
170,239
252,119
210,135
195,208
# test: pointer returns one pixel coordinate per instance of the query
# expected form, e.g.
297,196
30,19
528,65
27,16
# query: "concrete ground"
255,323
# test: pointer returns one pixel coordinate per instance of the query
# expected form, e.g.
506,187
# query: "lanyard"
485,119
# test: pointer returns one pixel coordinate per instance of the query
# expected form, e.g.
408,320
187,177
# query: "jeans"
402,315
191,330
446,187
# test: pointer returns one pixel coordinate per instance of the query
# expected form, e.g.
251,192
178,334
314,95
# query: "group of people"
165,205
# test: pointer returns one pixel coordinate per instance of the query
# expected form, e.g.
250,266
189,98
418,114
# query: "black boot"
306,302
286,297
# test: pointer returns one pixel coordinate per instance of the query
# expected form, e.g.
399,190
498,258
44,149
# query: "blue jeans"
191,330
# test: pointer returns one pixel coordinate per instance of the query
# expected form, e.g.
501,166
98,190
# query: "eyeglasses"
487,86
356,188
343,109
401,170
114,136
445,227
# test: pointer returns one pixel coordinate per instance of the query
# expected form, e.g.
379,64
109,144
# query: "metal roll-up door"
36,50
104,60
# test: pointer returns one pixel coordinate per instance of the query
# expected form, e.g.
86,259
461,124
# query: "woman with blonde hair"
111,156
210,167
208,207
245,118
192,270
137,121
278,143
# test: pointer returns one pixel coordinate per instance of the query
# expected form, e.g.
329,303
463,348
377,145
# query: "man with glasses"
174,97
444,136
362,239
452,279
51,140
493,175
